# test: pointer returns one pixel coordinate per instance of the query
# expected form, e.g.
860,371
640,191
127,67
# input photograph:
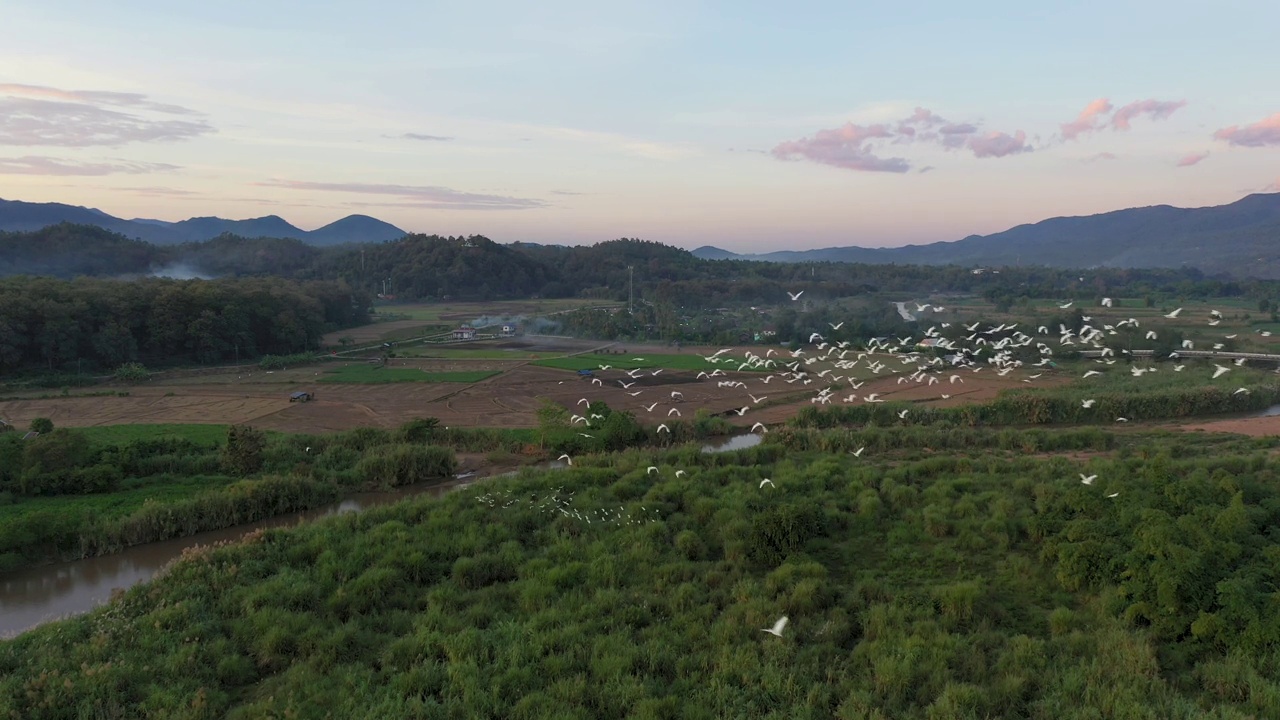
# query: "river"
39,594
36,595
734,442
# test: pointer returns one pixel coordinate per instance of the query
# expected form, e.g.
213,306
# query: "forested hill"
1241,239
431,267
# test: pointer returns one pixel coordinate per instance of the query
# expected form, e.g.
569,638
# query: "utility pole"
631,293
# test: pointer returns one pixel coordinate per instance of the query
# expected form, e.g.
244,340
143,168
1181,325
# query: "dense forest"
422,267
103,324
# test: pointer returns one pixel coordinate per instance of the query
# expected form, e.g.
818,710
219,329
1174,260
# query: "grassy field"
452,311
119,434
691,361
375,375
133,494
447,353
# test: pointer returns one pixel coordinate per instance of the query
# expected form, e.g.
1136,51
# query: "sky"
751,126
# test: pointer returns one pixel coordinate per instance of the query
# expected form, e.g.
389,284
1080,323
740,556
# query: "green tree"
243,453
41,425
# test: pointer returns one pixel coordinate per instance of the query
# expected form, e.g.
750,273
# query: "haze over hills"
1241,238
19,216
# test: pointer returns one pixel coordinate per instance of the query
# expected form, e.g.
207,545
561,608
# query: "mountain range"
1241,238
19,216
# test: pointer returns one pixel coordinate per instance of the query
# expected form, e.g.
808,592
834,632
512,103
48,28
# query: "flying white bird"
664,427
1113,494
795,296
768,481
1106,302
677,394
1120,419
859,451
1086,404
1088,480
761,426
1091,373
566,458
1220,371
1067,305
1240,391
836,326
777,627
651,470
902,415
1174,314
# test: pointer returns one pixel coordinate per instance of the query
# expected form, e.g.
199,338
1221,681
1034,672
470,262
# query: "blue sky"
751,126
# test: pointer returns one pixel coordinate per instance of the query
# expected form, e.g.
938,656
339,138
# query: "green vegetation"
64,327
451,353
976,584
627,361
121,434
72,493
376,375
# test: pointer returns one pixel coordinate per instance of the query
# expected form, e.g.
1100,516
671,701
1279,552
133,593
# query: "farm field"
397,322
509,399
377,375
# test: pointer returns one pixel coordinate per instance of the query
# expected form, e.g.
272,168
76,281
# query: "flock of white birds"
560,503
994,348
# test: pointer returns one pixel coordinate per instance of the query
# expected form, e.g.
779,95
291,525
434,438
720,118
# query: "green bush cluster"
68,497
284,362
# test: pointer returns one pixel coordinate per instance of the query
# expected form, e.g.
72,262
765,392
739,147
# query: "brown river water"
40,594
36,595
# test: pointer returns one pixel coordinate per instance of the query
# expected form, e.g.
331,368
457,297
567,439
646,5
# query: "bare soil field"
510,399
1254,426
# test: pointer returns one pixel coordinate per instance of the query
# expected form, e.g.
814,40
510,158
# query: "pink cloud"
1157,109
854,147
844,147
1192,159
998,144
1088,120
1262,133
39,165
92,97
921,117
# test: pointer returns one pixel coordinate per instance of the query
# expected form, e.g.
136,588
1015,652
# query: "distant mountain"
709,252
1242,238
354,229
19,216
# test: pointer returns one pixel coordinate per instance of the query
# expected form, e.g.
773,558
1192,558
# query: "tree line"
98,324
435,267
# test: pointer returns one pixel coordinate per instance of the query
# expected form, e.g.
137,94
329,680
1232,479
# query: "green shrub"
392,465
